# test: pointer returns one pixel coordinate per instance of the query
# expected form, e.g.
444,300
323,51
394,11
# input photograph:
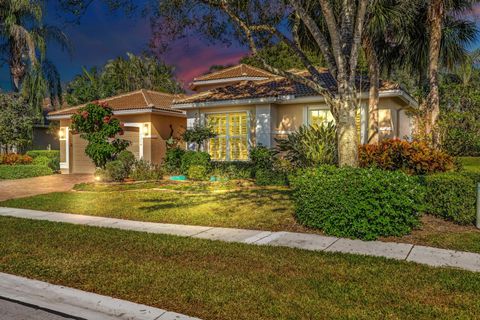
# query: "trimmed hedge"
197,158
23,171
52,154
357,203
233,169
451,196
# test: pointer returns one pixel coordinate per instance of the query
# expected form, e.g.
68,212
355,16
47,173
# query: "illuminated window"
231,142
319,116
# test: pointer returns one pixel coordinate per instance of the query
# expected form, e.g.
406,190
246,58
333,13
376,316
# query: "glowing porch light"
62,133
146,129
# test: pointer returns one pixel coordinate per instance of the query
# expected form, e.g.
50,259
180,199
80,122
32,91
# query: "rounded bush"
357,203
42,161
451,196
197,172
197,158
116,171
127,158
144,170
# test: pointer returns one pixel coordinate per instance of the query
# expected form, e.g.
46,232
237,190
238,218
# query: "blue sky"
101,35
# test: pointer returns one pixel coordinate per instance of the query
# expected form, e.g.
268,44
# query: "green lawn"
470,163
215,280
264,209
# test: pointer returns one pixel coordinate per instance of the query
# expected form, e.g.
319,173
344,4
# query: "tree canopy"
122,75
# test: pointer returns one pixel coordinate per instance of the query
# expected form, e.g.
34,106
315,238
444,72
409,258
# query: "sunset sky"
101,35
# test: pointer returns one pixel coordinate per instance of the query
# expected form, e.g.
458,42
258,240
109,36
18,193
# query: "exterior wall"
154,130
43,140
287,118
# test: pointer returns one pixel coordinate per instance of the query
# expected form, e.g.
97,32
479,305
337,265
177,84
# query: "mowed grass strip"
263,209
215,280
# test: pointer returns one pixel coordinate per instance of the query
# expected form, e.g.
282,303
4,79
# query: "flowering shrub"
95,123
410,157
14,158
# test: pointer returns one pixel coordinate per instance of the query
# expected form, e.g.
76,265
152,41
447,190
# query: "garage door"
81,163
132,134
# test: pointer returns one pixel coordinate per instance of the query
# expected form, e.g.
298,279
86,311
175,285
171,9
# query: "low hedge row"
23,171
357,203
452,196
52,154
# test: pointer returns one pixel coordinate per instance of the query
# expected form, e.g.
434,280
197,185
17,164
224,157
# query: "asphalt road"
14,311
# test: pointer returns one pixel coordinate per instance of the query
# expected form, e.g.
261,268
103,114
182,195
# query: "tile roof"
136,100
275,87
241,70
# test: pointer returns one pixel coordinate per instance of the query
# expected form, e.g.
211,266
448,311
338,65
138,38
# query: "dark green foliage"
357,203
95,124
116,170
127,158
310,146
23,171
460,117
173,160
122,75
451,196
261,157
52,154
233,169
198,134
144,170
269,177
52,163
197,158
197,172
16,122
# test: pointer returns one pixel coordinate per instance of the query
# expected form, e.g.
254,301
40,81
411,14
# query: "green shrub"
261,157
52,163
310,146
357,203
451,196
15,158
144,170
102,175
128,160
116,170
196,172
173,160
52,154
233,170
197,158
23,171
269,177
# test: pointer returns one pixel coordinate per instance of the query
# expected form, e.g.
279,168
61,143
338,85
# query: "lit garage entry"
81,163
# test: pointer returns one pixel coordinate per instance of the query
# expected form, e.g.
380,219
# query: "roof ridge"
146,97
243,69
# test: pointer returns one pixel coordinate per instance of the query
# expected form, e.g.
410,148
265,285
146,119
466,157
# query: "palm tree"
438,11
25,38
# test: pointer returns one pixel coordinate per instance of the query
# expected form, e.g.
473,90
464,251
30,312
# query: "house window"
231,142
319,116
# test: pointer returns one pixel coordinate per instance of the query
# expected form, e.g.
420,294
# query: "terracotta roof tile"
277,86
241,70
140,99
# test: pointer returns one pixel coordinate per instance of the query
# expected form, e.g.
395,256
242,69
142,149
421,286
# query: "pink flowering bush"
95,123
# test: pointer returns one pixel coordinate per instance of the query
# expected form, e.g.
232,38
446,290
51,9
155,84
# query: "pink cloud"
192,57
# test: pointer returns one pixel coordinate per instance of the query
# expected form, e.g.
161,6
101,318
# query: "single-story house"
149,121
245,105
248,106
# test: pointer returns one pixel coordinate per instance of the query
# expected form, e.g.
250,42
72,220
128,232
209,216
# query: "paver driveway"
20,188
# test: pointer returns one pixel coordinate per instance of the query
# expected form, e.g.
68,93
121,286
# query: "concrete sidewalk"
70,303
400,251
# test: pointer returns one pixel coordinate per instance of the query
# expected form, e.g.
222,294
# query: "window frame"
227,131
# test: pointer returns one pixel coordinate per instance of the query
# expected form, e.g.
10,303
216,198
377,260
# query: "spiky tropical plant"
310,146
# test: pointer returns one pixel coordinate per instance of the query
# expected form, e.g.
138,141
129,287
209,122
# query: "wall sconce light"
62,133
146,129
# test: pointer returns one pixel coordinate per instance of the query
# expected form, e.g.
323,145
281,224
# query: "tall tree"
23,41
122,75
260,22
437,13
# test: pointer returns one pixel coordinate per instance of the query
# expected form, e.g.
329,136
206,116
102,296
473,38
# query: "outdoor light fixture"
146,129
62,133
